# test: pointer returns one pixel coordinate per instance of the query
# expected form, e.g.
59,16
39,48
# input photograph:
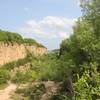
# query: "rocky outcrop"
36,50
9,52
13,52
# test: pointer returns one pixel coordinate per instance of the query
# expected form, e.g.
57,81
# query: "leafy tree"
91,12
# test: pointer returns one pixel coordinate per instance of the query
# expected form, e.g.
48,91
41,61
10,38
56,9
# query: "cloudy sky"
47,21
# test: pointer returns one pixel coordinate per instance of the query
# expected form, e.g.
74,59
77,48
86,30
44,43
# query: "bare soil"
5,94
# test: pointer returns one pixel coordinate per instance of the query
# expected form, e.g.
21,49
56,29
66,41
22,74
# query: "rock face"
9,53
36,50
13,52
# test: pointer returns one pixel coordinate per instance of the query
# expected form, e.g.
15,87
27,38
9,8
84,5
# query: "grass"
16,96
3,86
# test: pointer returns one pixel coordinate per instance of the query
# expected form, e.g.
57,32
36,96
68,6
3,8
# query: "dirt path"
5,94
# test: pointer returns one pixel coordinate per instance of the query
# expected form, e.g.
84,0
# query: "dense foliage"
4,76
10,37
83,50
33,92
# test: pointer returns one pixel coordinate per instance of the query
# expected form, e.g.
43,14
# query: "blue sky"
47,21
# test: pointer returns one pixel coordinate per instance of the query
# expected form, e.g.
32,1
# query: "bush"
33,92
22,77
34,75
4,76
30,42
10,37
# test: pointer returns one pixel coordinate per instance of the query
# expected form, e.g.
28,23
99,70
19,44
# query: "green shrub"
22,77
34,75
10,37
4,76
34,92
30,42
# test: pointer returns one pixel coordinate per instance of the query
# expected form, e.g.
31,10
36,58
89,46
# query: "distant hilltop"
14,47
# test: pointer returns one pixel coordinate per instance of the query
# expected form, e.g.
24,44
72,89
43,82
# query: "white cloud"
77,2
49,27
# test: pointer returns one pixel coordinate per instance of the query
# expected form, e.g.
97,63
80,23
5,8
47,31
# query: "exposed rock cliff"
36,50
13,52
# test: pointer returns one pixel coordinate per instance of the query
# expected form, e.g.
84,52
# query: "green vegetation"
4,76
75,68
10,37
22,77
30,42
80,55
32,92
77,64
35,92
20,62
3,86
